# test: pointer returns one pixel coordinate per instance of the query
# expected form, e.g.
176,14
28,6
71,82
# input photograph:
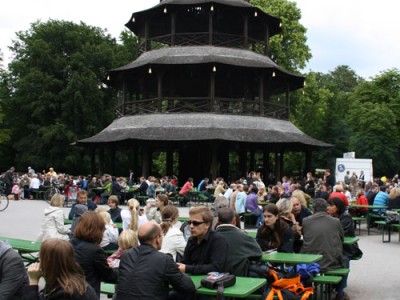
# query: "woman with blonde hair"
132,217
63,276
127,239
173,243
53,221
110,234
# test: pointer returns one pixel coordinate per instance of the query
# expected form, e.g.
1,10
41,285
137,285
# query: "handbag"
219,281
392,218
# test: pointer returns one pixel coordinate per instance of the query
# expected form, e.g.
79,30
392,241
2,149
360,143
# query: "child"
15,191
127,239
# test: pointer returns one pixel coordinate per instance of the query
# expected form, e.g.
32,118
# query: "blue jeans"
260,217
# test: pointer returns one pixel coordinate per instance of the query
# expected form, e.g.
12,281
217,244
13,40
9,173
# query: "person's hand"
181,267
34,273
114,225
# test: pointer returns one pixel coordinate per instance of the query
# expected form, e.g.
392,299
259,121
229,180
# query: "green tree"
289,49
375,122
56,92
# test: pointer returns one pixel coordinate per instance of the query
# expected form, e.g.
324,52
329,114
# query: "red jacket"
341,196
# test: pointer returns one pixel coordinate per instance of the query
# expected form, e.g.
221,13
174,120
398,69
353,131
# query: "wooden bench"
323,284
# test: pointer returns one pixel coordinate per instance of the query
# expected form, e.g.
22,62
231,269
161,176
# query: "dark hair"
226,215
90,227
148,237
320,205
254,189
339,205
278,230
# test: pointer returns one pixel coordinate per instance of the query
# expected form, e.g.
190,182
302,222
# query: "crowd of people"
307,216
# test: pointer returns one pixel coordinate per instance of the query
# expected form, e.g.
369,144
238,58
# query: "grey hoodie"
13,276
79,210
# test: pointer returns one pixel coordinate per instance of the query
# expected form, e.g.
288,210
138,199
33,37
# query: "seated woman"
132,217
361,200
155,213
274,233
90,256
63,276
173,243
394,199
53,221
127,239
285,207
114,211
110,234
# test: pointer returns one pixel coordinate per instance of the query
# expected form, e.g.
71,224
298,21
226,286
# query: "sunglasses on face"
195,223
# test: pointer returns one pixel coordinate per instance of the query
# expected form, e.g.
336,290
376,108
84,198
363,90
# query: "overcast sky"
362,34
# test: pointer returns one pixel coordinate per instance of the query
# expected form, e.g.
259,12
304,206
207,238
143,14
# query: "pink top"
186,188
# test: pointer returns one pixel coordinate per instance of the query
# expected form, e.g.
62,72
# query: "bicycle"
54,189
3,197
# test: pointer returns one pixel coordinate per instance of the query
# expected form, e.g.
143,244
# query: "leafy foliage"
289,49
56,95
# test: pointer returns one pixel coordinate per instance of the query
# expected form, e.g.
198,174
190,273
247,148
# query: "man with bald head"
145,273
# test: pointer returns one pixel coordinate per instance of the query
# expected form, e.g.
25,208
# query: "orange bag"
292,284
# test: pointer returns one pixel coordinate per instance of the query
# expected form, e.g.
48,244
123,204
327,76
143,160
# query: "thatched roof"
192,55
240,4
195,127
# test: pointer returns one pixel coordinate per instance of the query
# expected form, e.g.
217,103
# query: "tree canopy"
56,93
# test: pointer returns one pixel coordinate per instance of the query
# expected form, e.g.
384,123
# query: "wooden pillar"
308,162
252,159
214,160
261,93
212,90
278,164
147,44
242,160
113,155
266,40
210,28
246,32
159,91
224,160
266,164
287,100
173,28
170,161
146,156
101,163
93,160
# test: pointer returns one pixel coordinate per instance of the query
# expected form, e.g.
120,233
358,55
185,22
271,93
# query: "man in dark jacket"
241,247
82,199
13,277
206,250
145,273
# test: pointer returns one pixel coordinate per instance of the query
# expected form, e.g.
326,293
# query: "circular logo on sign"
341,168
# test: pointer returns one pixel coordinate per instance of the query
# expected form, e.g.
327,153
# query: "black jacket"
31,292
208,256
92,259
145,274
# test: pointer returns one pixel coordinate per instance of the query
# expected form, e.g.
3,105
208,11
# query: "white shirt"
35,183
173,242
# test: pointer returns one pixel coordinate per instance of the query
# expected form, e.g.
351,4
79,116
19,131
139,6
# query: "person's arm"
59,221
179,281
102,269
13,274
287,241
71,212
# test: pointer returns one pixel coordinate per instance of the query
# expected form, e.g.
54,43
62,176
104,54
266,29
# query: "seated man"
241,247
13,277
252,205
299,211
146,273
82,199
206,250
323,234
